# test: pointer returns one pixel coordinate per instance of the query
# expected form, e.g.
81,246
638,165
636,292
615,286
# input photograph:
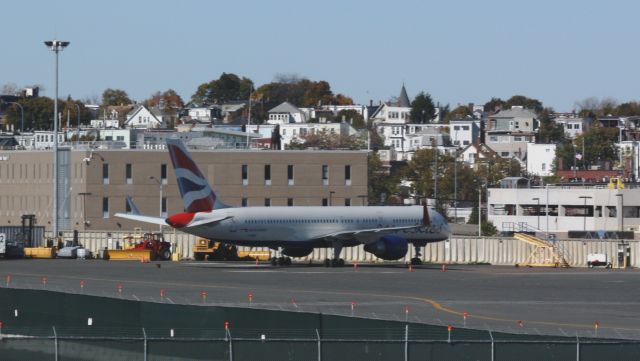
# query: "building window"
504,154
163,208
267,202
325,202
544,166
267,174
128,172
245,202
105,207
347,175
347,202
290,202
245,174
325,175
493,139
290,175
105,173
163,173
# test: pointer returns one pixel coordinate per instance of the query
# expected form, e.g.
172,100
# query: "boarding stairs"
544,254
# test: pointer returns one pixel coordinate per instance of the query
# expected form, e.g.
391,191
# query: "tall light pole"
249,117
78,137
584,223
160,184
56,46
455,185
537,210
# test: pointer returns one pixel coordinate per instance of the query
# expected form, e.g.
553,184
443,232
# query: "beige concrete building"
94,185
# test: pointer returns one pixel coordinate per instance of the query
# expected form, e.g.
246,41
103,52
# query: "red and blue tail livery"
197,195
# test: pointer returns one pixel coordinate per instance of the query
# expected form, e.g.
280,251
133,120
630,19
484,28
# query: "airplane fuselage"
309,226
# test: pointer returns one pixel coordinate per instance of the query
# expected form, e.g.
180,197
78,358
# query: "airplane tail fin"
197,195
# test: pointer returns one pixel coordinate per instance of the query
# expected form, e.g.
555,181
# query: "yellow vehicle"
616,183
212,250
206,249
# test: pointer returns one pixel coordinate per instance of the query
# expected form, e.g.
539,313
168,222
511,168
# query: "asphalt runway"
519,300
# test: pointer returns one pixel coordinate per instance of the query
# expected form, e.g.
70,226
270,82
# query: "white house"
405,138
540,159
475,152
286,113
464,131
291,131
44,139
142,118
572,125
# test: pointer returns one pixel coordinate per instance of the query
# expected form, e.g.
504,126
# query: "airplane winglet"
134,208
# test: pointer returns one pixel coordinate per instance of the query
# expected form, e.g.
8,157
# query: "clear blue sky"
459,51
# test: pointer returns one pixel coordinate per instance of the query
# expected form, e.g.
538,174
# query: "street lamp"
56,46
78,136
584,223
537,210
160,184
621,211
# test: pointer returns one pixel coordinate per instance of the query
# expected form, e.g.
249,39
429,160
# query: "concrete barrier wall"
462,250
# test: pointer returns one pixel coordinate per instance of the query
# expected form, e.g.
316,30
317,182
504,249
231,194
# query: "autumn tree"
525,102
599,149
494,105
115,97
461,111
549,132
327,140
169,99
226,88
422,108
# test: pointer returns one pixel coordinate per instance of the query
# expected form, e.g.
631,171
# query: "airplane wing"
141,218
366,235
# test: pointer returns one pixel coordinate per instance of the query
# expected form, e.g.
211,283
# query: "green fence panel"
610,351
450,351
275,350
27,349
547,351
184,350
362,351
98,350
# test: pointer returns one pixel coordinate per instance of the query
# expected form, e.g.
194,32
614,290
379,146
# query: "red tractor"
156,244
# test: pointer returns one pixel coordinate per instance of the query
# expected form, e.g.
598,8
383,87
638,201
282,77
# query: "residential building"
286,113
572,124
464,131
142,118
291,131
540,158
476,152
508,132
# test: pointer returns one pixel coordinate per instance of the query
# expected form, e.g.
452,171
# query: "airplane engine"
296,251
389,247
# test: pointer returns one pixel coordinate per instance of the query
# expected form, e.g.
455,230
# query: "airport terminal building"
94,184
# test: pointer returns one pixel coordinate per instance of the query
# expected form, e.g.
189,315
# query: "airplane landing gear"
280,261
334,262
417,260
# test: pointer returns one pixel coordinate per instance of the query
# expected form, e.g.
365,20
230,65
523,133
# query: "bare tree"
9,89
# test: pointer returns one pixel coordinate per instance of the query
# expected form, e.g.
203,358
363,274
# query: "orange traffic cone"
444,267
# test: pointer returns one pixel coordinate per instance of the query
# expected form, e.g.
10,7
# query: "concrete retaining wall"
493,250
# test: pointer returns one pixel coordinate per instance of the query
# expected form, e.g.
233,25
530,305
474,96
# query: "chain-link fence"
399,342
41,324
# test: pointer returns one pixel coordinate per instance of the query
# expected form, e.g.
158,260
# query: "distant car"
598,259
70,250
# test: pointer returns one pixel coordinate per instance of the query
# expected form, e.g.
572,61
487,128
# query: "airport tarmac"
500,298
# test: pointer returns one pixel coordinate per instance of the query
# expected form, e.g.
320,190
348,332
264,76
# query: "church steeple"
403,99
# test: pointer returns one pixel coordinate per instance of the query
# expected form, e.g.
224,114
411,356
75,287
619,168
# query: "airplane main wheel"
327,262
416,261
274,261
337,262
287,261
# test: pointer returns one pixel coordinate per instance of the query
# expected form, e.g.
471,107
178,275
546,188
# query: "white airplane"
385,231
